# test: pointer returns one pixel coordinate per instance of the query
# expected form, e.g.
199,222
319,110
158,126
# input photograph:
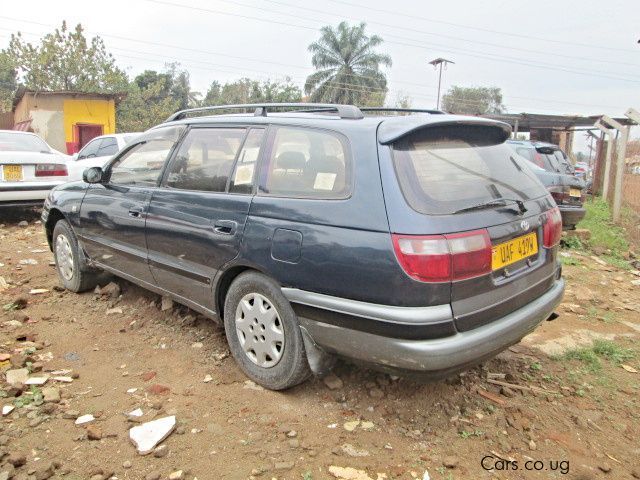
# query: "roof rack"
405,110
261,109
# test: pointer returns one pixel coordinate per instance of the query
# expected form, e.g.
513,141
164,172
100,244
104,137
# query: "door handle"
225,227
136,212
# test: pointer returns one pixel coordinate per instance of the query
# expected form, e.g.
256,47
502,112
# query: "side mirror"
92,175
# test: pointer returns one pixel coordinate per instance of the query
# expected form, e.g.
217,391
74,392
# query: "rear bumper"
571,215
433,358
27,194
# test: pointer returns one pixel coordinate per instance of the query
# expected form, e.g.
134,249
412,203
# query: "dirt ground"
571,419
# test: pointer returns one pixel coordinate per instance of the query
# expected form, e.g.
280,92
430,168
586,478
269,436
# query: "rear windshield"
445,169
16,142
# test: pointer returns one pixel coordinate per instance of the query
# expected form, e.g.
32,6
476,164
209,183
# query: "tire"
259,358
73,271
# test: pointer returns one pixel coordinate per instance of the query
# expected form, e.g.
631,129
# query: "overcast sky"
572,57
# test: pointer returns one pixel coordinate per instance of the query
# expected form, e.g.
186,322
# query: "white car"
29,168
98,152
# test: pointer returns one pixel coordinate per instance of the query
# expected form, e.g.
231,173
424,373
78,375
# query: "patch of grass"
570,261
591,356
475,433
604,233
609,317
620,263
592,312
572,242
612,351
535,366
307,476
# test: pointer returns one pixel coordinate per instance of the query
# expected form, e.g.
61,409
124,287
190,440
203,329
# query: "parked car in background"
557,174
417,244
582,170
98,152
29,169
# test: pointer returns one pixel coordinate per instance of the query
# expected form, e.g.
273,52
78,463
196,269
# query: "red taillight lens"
552,230
444,258
51,170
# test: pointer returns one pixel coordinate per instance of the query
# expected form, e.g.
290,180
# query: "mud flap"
320,361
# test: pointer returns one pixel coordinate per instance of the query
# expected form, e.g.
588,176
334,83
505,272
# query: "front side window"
306,163
90,150
445,169
144,161
109,146
205,159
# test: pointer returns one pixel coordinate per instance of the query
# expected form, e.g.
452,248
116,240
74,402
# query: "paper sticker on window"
324,181
244,174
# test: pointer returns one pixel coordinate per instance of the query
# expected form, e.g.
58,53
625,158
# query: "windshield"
445,169
17,142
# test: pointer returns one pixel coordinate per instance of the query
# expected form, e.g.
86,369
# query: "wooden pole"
617,191
607,165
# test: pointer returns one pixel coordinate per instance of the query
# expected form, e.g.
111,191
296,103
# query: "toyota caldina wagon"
415,243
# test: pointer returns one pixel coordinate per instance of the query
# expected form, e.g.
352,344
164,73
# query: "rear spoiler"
395,128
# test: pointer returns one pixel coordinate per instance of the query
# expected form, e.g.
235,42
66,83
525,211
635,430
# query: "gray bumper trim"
444,354
373,311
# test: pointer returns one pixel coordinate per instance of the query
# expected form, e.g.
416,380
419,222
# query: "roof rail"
405,110
261,109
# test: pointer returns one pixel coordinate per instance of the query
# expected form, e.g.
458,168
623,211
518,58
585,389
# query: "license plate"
575,192
12,173
514,250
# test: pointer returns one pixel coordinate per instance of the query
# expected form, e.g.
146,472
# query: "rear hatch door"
459,177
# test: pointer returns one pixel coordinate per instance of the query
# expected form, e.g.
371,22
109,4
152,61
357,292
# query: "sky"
556,57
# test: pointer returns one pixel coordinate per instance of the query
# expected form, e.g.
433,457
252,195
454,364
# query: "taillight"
51,170
552,230
444,258
559,193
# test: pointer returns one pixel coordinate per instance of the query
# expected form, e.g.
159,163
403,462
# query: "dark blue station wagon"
414,243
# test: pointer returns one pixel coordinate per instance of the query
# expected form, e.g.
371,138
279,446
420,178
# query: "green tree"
347,67
247,90
473,100
174,83
8,82
66,60
143,108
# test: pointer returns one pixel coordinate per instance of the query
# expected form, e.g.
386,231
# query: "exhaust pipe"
553,316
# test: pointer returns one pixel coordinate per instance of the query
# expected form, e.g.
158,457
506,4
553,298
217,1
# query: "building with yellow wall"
65,120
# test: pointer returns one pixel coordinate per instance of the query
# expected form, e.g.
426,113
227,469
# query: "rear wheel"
263,333
72,269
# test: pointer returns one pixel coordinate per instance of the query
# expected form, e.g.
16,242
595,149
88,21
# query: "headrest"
291,161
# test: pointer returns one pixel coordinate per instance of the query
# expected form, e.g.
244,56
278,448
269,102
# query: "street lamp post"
439,62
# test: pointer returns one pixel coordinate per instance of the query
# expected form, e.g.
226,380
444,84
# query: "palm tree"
347,67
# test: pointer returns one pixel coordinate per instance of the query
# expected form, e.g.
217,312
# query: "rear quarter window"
445,169
307,163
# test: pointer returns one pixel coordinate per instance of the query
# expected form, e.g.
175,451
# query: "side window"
242,178
109,146
307,163
526,153
205,159
143,163
90,150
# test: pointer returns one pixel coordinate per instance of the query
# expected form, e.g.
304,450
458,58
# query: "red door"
83,133
86,133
